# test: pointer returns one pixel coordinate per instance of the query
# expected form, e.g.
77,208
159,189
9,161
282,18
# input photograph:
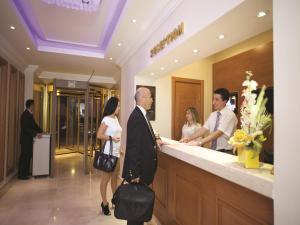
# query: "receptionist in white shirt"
221,125
192,124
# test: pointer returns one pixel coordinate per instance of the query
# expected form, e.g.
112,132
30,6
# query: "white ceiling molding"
153,24
11,55
46,75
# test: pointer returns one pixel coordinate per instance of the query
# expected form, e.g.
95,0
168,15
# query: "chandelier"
84,5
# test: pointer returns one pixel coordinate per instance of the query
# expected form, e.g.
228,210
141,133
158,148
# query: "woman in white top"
192,124
110,127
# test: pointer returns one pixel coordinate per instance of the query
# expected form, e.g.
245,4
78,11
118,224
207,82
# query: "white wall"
286,111
197,18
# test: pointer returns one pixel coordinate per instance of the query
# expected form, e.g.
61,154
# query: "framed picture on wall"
150,112
232,103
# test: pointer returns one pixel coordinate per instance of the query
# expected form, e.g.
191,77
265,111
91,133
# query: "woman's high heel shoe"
105,209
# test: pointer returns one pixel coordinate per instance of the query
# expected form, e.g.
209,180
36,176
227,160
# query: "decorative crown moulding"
83,5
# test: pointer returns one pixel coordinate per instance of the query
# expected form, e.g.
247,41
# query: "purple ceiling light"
47,44
84,5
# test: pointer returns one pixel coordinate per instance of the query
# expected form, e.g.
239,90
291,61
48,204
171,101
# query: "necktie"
150,128
214,142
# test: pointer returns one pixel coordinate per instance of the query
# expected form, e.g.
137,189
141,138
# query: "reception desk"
195,185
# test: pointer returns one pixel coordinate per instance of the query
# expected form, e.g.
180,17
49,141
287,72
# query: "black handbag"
133,201
105,162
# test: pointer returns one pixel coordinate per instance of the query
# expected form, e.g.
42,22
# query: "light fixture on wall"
133,20
27,48
176,61
82,5
12,28
195,51
162,68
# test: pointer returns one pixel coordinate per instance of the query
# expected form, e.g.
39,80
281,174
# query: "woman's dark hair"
111,106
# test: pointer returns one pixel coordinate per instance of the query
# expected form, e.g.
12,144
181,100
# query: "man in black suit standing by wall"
141,145
29,129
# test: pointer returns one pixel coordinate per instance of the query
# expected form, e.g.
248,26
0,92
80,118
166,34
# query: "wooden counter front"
188,195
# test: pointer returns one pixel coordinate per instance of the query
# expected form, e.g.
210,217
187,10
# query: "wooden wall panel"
230,74
188,205
197,197
3,106
12,122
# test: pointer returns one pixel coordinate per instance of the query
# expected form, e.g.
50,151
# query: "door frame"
186,80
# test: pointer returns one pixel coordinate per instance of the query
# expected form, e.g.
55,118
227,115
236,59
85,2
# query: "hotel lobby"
71,56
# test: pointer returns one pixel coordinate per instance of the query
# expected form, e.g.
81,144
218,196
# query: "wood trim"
186,80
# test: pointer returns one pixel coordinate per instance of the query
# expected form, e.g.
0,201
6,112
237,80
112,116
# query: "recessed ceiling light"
176,60
110,58
133,20
152,74
12,28
27,48
261,14
162,68
221,36
195,50
119,44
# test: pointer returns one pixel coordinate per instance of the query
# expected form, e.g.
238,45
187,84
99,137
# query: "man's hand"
195,143
135,180
160,143
39,135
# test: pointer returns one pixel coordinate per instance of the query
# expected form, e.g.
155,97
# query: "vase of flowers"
254,120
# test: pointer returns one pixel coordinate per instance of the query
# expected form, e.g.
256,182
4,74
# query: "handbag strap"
110,146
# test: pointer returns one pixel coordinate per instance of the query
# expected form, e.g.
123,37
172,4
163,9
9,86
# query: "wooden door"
185,93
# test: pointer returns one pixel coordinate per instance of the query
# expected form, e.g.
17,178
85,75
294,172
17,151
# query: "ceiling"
68,41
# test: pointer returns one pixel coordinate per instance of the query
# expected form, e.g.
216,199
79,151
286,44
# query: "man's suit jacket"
29,128
140,157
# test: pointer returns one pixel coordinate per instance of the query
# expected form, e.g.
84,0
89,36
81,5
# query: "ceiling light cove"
53,37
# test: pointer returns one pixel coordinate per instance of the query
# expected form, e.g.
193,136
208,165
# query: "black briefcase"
133,201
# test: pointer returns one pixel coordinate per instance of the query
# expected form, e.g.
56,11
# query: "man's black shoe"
23,178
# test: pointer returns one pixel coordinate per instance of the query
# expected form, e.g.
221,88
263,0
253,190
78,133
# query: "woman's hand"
184,140
115,139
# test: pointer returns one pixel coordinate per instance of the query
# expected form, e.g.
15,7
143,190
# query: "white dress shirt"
227,124
189,130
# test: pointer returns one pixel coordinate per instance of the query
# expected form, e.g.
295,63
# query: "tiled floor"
69,198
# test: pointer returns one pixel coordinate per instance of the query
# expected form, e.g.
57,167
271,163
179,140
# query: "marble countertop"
223,165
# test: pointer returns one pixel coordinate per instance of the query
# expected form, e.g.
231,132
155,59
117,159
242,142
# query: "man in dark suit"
29,129
141,145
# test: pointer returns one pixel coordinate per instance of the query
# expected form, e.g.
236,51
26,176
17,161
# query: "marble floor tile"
71,197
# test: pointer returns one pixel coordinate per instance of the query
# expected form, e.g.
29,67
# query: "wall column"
286,111
29,80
